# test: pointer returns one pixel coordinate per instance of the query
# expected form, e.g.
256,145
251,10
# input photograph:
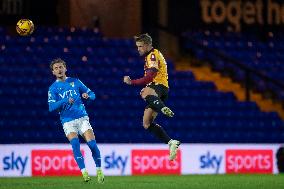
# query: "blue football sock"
95,152
77,153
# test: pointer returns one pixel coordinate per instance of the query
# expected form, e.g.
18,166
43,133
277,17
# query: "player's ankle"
84,170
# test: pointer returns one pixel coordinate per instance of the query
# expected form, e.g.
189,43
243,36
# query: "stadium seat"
202,113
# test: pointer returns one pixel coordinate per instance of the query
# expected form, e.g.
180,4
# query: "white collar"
59,80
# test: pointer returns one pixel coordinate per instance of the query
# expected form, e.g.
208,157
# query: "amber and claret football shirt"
156,60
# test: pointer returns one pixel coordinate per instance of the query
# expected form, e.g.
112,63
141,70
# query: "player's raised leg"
74,141
155,102
90,139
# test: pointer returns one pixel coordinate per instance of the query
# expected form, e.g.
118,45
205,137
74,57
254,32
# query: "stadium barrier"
18,160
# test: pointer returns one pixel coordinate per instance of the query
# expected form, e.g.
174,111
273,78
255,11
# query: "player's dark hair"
57,60
145,38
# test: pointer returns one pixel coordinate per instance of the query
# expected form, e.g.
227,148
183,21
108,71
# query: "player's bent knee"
89,135
147,91
71,135
143,95
146,125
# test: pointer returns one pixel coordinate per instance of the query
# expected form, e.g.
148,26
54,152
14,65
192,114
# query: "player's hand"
127,80
71,100
85,95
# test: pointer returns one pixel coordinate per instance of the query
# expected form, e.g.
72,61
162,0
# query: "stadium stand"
203,114
262,53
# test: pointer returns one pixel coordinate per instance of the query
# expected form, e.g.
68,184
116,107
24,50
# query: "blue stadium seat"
203,114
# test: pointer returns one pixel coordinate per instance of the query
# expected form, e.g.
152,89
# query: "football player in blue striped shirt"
64,96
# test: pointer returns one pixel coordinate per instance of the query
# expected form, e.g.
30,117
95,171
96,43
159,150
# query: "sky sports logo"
211,162
154,162
54,163
249,161
15,162
116,162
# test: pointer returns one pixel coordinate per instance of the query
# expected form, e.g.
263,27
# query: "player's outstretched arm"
150,74
56,105
86,92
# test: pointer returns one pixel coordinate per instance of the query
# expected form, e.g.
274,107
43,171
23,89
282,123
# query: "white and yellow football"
25,27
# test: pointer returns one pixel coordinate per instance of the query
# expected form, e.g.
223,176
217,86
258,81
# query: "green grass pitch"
150,182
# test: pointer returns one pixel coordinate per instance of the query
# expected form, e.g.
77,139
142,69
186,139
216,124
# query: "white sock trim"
83,170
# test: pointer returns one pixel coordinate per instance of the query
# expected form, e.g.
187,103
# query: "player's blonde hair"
57,60
145,38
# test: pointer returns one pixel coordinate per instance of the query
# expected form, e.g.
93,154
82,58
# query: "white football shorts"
80,125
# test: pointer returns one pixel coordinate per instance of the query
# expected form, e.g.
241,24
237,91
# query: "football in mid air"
25,27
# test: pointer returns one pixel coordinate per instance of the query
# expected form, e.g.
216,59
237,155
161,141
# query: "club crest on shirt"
72,84
153,57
